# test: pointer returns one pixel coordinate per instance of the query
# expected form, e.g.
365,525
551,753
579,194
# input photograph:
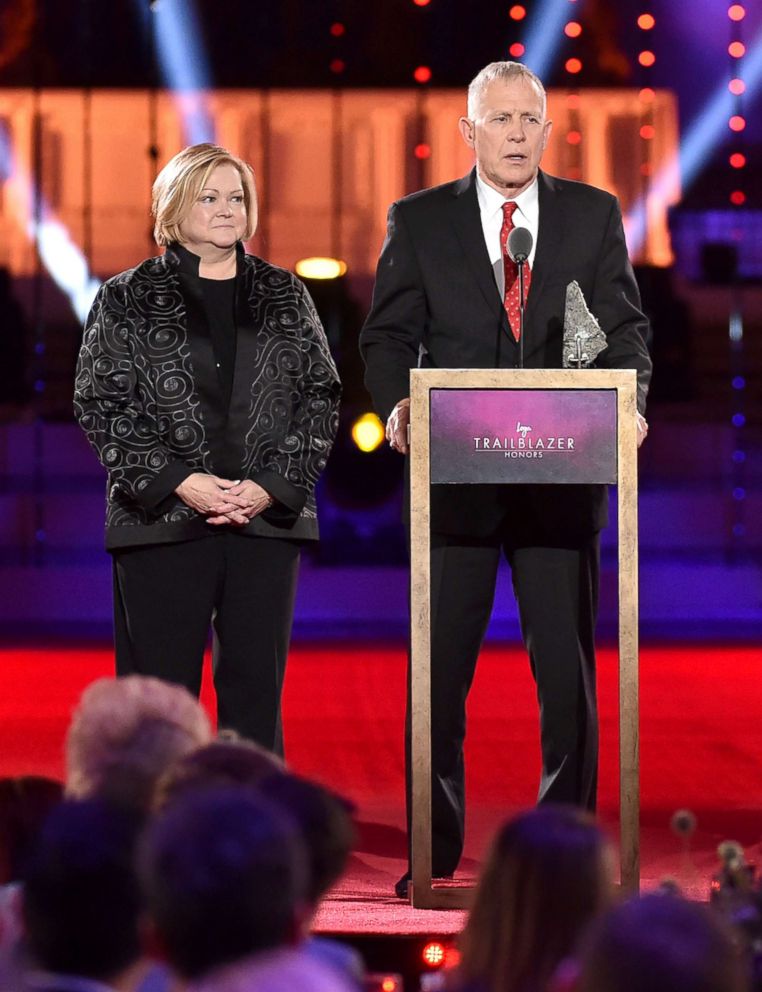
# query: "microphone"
519,244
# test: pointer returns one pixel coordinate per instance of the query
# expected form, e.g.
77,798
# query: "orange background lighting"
736,12
517,12
573,66
646,21
422,74
736,49
573,29
737,160
646,58
737,123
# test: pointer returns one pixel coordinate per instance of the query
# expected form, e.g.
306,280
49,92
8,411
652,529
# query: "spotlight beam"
61,257
184,64
545,35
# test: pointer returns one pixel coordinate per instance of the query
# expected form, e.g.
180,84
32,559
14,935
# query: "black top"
219,304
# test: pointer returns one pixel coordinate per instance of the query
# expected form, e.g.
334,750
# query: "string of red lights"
737,162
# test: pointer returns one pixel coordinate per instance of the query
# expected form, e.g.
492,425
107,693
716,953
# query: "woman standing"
206,387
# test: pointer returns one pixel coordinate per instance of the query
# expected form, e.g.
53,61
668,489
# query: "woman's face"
218,216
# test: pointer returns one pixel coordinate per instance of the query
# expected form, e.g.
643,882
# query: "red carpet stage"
701,748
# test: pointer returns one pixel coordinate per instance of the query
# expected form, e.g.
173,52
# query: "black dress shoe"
401,887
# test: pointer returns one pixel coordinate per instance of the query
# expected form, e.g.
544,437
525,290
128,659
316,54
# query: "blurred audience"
322,818
547,875
228,760
225,876
125,733
81,899
659,943
25,802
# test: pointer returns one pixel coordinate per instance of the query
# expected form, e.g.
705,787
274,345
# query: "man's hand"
397,425
642,429
250,500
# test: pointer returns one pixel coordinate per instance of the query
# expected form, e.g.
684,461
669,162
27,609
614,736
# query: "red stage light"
736,49
573,66
737,160
573,29
337,65
422,150
737,123
337,29
738,198
646,22
452,958
646,95
573,137
646,58
433,954
736,12
389,984
422,74
516,49
737,86
647,132
517,12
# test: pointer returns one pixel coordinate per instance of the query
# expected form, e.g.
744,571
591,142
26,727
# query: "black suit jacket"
436,303
149,398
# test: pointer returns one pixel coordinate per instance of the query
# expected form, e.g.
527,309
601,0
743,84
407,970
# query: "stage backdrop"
328,163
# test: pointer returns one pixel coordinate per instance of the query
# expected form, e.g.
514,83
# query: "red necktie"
511,298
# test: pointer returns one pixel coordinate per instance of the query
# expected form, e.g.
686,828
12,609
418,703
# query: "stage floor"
701,749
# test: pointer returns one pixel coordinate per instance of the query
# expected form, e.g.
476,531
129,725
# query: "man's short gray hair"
504,71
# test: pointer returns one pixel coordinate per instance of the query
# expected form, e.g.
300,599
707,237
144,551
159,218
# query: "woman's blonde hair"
181,180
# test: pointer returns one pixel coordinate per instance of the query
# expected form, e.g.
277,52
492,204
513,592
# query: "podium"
520,426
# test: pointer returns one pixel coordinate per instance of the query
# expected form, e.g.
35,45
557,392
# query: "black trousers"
556,589
165,598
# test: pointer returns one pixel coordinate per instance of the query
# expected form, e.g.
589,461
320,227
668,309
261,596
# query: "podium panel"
520,426
522,435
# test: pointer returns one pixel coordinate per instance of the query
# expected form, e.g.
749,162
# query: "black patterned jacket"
148,396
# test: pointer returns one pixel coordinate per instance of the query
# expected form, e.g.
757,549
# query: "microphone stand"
522,301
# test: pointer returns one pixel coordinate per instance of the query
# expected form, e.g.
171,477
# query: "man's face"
508,134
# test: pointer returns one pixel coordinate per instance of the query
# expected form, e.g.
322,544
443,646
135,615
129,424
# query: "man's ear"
546,133
467,131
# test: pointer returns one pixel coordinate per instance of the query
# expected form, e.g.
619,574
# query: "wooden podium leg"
629,756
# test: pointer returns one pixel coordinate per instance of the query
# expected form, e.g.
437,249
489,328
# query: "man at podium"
447,296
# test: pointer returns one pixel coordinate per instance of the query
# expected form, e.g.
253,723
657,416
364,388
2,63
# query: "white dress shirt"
527,215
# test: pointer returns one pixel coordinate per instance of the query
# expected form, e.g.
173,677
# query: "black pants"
557,593
165,598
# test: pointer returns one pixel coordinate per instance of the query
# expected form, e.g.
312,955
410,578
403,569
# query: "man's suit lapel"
550,235
468,227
